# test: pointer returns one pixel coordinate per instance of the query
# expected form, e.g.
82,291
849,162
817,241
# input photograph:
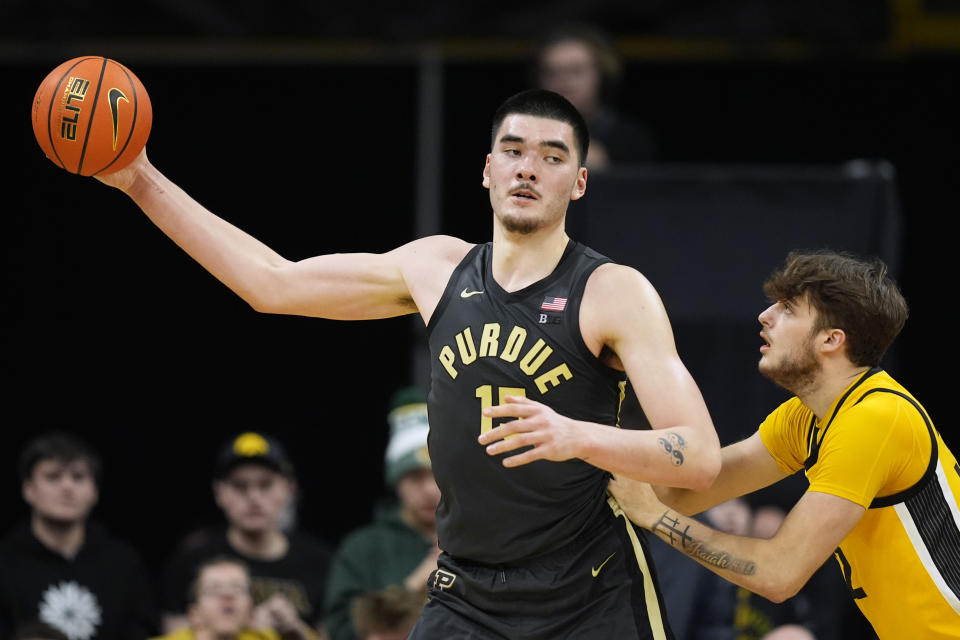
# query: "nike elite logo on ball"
467,294
115,96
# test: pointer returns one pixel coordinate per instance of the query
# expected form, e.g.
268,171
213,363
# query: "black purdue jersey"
486,343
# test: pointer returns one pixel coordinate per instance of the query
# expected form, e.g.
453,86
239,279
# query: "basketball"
91,115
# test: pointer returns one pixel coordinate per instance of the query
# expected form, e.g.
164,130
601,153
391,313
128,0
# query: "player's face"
253,497
59,491
532,173
224,605
789,357
419,495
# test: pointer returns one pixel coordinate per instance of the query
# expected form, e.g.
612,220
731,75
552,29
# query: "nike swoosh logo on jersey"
596,570
115,96
467,294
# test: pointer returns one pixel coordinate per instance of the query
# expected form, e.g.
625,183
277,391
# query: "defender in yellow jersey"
884,494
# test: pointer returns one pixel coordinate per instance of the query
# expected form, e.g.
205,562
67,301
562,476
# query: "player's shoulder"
615,284
438,247
884,411
791,413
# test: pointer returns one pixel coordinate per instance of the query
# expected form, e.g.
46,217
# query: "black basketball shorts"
602,586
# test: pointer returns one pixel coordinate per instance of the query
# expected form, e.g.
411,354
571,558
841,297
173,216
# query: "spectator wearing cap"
254,486
399,548
60,570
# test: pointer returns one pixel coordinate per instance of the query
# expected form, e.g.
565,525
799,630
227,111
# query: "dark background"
298,123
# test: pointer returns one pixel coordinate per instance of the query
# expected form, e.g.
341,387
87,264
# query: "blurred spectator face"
733,516
569,68
61,491
419,495
223,605
253,497
767,521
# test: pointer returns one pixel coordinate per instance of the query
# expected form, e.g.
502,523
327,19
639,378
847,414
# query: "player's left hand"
552,436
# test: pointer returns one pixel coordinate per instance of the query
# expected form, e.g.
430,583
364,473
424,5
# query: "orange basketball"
91,116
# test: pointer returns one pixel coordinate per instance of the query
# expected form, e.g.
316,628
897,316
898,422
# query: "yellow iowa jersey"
877,447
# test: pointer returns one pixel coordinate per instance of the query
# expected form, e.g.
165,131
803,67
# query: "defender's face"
533,173
254,497
223,606
789,357
61,491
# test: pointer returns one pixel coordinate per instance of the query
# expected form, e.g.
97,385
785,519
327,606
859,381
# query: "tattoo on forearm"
673,445
671,531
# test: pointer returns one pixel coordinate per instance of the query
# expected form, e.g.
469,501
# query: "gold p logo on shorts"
443,579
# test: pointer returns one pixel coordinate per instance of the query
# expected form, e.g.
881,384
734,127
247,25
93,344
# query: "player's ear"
486,172
833,340
580,186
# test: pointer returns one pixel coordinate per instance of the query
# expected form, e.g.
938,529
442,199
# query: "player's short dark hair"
203,565
545,104
60,446
849,293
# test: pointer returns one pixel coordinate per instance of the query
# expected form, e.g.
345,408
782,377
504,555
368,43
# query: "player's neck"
269,544
65,538
829,386
519,260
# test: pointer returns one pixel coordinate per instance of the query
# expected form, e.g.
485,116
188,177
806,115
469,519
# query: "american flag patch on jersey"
553,304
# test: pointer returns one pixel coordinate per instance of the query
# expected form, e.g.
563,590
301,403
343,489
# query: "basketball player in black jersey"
534,326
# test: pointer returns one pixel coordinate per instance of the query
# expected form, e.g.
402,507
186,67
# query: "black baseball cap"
253,447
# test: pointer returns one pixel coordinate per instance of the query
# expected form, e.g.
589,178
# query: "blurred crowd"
261,576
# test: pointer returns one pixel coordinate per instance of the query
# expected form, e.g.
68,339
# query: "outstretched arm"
774,568
621,313
337,286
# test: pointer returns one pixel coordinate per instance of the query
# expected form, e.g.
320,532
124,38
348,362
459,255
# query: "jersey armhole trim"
447,291
906,494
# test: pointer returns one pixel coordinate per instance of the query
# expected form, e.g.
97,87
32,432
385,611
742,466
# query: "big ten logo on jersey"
546,318
530,361
73,94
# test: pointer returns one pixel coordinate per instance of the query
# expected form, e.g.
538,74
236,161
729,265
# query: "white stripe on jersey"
911,528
